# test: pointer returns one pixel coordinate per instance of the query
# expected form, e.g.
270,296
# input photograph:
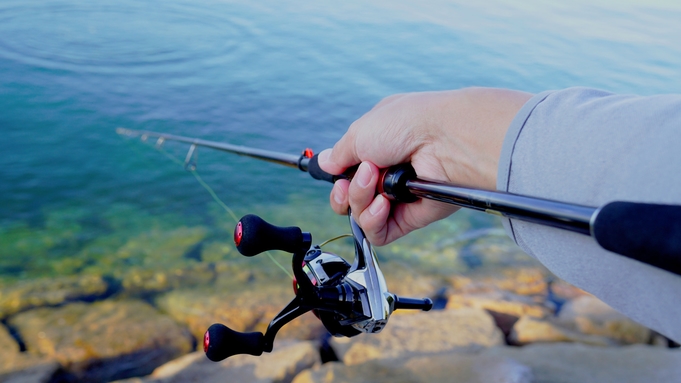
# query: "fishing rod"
649,233
354,299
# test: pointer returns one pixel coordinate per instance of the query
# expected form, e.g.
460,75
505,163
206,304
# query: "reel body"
348,299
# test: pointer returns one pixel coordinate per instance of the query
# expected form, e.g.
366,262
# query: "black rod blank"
286,159
536,210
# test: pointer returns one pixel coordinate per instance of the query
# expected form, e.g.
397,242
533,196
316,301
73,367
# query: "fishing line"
218,200
334,239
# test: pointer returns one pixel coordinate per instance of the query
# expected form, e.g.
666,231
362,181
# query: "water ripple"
108,37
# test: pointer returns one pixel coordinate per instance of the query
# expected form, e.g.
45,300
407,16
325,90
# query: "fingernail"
338,197
376,206
323,156
363,175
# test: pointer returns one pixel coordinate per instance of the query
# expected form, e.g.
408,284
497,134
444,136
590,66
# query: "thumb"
342,156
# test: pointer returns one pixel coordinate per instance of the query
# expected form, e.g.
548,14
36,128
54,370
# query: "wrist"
473,137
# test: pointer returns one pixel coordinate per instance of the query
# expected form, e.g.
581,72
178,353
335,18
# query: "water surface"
264,74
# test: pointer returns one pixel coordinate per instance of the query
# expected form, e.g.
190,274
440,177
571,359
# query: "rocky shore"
504,324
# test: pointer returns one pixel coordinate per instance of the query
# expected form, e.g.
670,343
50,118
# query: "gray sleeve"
590,147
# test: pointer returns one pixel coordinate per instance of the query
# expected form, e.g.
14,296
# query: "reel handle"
402,303
221,342
253,235
392,181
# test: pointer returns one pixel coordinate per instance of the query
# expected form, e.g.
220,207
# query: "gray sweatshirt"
590,147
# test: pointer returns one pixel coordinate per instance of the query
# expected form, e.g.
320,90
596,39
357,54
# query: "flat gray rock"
38,373
447,367
280,366
578,363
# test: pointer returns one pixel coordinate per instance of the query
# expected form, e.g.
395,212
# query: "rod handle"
649,233
317,173
221,342
253,235
392,181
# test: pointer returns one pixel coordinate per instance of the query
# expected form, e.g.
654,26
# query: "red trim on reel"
238,233
206,342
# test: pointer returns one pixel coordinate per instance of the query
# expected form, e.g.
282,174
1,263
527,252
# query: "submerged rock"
421,333
142,281
24,295
156,247
104,340
441,368
578,363
280,366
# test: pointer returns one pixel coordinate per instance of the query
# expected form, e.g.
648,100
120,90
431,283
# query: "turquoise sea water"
77,198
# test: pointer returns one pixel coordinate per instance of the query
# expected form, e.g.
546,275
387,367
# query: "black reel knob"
402,303
221,342
253,236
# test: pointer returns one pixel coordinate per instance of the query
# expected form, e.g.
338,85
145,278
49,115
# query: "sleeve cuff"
505,160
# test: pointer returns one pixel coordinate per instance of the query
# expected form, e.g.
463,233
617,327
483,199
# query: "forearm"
589,147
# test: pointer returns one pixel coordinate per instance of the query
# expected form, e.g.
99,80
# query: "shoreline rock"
422,333
285,362
25,295
529,330
579,363
104,340
447,367
589,315
16,365
245,310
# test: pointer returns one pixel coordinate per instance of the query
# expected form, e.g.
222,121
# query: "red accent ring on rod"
381,180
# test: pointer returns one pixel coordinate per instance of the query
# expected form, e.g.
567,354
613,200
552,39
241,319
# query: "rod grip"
649,233
253,235
221,342
317,173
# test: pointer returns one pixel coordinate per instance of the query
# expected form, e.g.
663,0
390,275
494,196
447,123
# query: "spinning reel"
348,299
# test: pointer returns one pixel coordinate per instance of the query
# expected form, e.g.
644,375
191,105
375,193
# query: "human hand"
450,136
